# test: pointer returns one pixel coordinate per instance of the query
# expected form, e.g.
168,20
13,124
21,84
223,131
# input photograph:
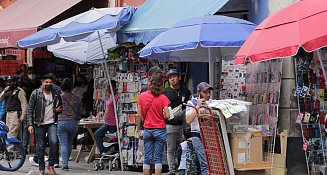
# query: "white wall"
276,5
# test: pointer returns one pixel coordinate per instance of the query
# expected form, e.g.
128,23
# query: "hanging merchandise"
263,82
130,73
232,80
311,93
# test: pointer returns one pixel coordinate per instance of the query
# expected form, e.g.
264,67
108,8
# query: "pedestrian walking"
44,106
68,120
29,84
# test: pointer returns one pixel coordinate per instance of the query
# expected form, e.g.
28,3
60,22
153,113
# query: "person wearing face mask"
80,85
42,115
16,105
28,84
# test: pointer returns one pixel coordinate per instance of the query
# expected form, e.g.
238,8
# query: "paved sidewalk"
81,168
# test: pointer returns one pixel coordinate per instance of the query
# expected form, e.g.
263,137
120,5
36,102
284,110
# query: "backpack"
192,162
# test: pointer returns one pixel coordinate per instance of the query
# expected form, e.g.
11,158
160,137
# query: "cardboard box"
246,147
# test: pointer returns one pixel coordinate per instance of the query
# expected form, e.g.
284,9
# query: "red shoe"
52,170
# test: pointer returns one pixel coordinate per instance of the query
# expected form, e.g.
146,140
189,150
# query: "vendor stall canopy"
156,16
23,18
80,26
83,38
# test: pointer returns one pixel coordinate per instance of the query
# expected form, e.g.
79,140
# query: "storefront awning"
23,17
156,16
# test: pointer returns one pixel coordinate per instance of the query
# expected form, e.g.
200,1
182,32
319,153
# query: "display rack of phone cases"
131,77
311,93
232,80
263,82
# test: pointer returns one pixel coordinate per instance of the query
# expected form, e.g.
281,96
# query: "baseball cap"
172,72
203,86
11,79
153,70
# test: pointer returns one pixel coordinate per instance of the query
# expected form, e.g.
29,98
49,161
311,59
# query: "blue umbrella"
186,39
80,26
207,31
87,32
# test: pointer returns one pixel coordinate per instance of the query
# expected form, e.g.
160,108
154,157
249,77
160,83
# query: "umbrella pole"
211,70
104,64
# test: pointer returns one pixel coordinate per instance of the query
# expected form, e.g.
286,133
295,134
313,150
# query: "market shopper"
80,85
68,120
152,70
177,95
16,105
151,105
29,84
44,106
204,90
109,118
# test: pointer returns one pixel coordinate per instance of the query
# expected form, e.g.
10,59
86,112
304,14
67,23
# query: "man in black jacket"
42,115
177,95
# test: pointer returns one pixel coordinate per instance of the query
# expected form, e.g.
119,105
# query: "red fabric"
22,18
281,34
154,117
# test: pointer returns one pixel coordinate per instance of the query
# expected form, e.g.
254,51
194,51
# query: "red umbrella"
302,24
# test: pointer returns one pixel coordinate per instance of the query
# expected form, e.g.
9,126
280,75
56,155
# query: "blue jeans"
154,142
26,135
40,133
67,130
199,150
100,133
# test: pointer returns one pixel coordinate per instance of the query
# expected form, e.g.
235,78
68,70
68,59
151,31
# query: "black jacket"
36,106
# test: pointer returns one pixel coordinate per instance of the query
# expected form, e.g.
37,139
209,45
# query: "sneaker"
46,158
52,170
65,168
56,165
31,160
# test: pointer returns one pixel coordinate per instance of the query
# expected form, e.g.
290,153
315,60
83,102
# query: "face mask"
12,86
48,87
31,76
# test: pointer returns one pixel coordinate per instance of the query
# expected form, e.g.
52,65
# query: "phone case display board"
312,97
263,82
100,85
232,80
131,76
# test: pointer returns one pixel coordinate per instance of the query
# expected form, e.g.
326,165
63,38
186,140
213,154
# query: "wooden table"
88,125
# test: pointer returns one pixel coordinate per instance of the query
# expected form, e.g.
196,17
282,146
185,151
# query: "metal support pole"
104,64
